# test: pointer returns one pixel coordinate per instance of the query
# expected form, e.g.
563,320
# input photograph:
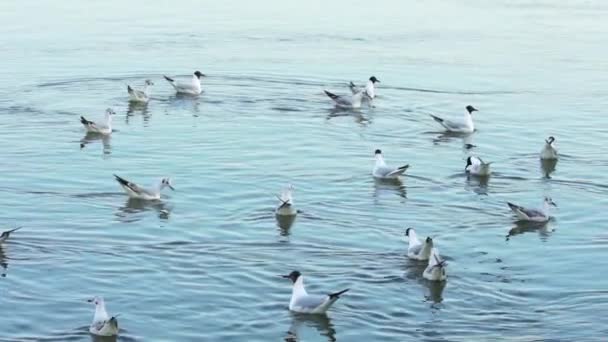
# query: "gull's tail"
122,180
436,118
85,121
336,295
514,207
129,89
331,95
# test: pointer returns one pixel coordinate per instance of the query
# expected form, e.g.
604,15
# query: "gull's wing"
448,124
528,212
354,88
398,171
339,100
387,171
311,302
136,93
131,186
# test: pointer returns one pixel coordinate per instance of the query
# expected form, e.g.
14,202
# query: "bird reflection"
138,107
544,229
285,222
478,184
3,262
349,112
435,291
322,323
548,166
186,101
104,338
92,137
134,206
445,137
395,186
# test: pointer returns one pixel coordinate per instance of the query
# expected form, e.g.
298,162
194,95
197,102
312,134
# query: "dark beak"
171,187
89,301
285,276
553,204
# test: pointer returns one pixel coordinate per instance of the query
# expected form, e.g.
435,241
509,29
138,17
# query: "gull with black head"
477,167
383,171
416,249
303,302
192,88
464,126
549,152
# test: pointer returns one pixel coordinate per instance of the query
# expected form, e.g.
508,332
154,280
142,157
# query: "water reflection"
393,186
284,222
445,137
477,184
322,323
104,338
435,291
187,101
544,229
3,262
92,137
548,167
135,206
138,107
346,112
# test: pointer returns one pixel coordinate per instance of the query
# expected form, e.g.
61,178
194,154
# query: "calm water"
208,269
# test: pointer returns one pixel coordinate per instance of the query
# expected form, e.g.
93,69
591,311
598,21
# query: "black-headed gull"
465,126
103,324
285,207
477,167
135,191
302,302
104,127
549,151
5,235
382,171
533,215
416,249
344,101
435,270
143,95
370,87
192,88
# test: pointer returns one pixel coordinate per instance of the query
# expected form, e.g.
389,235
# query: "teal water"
207,266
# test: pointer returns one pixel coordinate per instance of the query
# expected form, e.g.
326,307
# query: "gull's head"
378,152
429,241
373,79
293,276
149,83
110,111
471,109
550,140
549,201
407,231
199,74
166,182
469,162
97,300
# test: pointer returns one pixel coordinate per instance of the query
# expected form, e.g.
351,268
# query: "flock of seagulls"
105,325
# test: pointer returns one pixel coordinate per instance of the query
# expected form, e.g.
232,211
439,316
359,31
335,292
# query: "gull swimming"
465,126
549,151
104,127
192,88
143,95
416,249
5,235
435,270
285,207
344,101
477,167
135,191
370,87
382,171
533,215
103,324
302,302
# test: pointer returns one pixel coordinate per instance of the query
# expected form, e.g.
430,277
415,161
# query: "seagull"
435,270
286,207
4,236
549,151
533,215
104,127
466,126
192,88
476,167
381,170
135,191
102,324
142,96
417,250
370,87
353,101
302,302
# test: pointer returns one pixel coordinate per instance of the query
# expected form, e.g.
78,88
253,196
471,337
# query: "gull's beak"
89,300
285,276
553,204
171,187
